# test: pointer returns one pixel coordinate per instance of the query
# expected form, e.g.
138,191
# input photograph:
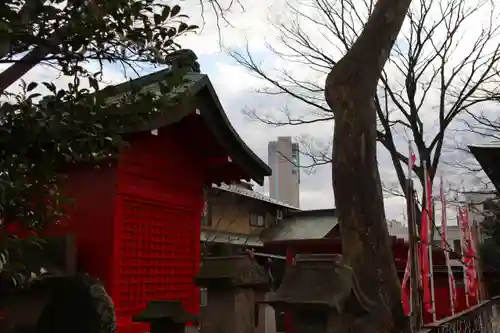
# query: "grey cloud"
316,188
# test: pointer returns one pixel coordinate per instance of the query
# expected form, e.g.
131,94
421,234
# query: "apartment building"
284,160
236,216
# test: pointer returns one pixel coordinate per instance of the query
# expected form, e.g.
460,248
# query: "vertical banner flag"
425,241
404,287
467,255
411,160
471,254
475,256
444,239
463,237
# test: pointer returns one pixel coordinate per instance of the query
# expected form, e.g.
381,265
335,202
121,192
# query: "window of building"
457,246
295,166
270,220
296,161
203,297
257,220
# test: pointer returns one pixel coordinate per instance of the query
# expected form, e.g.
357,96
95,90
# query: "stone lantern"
234,285
320,293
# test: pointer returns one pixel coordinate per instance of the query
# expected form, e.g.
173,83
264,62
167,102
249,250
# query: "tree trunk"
356,180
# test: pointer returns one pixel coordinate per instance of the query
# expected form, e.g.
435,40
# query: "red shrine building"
317,231
137,219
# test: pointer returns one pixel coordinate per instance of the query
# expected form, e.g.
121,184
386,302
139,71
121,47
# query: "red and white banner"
471,268
444,242
468,254
425,246
411,160
406,287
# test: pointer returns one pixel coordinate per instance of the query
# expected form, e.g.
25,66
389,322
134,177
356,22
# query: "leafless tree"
381,85
477,126
484,125
444,63
349,89
220,10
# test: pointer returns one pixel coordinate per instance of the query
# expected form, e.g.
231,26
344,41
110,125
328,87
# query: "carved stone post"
321,294
233,286
165,317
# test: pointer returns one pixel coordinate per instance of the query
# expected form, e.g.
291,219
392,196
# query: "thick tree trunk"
356,180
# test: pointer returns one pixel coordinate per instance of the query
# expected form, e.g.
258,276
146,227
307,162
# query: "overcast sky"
236,89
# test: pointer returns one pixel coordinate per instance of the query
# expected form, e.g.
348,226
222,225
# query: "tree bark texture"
356,180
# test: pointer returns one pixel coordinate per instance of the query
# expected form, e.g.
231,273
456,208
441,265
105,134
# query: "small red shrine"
332,245
137,220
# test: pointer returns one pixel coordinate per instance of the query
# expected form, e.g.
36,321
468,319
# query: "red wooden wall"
137,224
158,206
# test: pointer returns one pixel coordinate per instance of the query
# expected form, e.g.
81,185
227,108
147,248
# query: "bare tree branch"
440,68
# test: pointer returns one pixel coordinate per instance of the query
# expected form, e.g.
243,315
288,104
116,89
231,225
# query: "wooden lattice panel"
156,254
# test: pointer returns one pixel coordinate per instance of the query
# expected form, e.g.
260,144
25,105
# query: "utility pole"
416,309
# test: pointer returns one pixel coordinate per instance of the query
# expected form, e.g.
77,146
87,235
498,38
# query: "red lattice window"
157,250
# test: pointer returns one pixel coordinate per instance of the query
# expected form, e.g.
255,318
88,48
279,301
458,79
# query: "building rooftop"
237,189
488,157
197,91
301,225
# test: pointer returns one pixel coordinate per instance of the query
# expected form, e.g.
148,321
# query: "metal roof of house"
216,236
253,195
312,213
303,226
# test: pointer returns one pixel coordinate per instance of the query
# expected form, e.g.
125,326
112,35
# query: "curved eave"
198,87
488,157
220,126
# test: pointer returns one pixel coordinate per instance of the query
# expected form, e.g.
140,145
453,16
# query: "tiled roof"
253,195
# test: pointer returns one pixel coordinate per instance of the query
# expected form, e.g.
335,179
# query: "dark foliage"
45,126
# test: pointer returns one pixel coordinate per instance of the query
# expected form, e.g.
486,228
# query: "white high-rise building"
283,158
